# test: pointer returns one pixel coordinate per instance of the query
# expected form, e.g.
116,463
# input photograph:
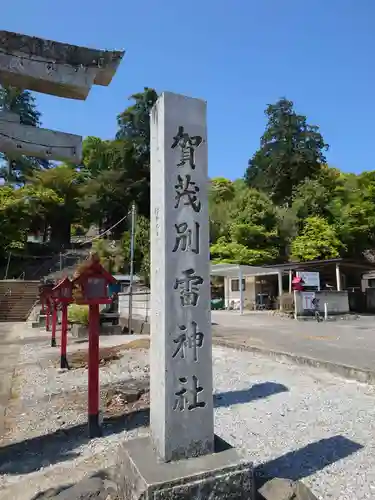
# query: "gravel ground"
293,422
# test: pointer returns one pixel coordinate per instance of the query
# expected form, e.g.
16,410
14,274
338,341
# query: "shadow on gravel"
257,391
32,454
306,461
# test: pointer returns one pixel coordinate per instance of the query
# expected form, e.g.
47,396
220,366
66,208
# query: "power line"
109,229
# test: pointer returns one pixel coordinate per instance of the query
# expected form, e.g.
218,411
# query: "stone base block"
82,331
79,331
223,474
42,319
139,326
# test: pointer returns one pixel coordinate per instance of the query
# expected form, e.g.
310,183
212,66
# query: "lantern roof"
64,283
92,268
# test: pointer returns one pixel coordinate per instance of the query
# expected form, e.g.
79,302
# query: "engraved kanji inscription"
187,238
187,146
187,395
189,338
189,287
187,190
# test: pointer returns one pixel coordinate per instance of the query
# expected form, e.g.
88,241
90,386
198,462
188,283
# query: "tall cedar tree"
290,152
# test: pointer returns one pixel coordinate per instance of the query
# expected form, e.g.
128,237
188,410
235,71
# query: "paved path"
10,345
332,344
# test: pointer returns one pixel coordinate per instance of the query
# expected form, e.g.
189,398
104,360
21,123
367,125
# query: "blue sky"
239,56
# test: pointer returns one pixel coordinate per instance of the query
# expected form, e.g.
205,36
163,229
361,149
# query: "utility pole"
132,235
8,264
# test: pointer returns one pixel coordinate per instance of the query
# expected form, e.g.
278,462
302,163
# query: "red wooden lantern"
93,284
62,294
46,293
91,287
63,291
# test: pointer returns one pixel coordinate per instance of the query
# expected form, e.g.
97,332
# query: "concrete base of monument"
221,475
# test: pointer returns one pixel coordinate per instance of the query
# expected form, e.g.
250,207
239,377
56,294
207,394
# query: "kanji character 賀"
187,239
188,397
187,189
188,339
187,146
189,287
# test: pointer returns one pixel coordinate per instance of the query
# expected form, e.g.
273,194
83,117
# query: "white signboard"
310,279
307,298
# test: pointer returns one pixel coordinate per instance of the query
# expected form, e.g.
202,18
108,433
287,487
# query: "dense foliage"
289,205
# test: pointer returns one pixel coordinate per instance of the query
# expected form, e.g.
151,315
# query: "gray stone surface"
220,475
9,354
8,116
285,489
79,331
52,67
181,344
92,488
39,142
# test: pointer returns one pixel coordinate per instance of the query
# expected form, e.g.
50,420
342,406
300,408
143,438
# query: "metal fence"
140,303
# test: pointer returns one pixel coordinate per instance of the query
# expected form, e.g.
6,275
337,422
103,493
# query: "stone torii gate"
53,68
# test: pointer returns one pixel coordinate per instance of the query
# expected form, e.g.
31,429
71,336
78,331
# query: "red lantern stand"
93,284
42,299
54,306
62,294
47,291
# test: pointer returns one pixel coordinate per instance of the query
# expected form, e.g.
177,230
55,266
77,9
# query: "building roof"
234,270
353,263
126,277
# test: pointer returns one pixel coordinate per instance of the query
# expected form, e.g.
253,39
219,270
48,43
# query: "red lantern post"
42,298
54,321
93,284
62,293
42,301
47,292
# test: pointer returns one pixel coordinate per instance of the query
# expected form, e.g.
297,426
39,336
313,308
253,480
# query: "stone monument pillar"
182,458
181,347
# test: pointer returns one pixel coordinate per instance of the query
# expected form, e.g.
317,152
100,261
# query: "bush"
78,314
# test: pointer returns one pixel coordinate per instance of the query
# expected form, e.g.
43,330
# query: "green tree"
220,190
134,122
63,180
317,240
112,181
111,255
245,229
291,150
231,252
21,102
22,210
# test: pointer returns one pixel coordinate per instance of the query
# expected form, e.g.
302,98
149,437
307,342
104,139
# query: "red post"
43,305
64,334
93,372
54,323
48,312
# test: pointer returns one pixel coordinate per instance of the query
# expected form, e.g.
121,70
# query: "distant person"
315,306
